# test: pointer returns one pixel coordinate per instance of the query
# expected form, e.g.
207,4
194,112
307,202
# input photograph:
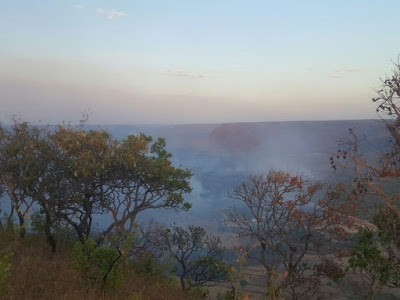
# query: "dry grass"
39,274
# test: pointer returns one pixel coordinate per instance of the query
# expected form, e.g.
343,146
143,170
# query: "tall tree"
146,180
19,168
82,168
377,172
377,175
74,174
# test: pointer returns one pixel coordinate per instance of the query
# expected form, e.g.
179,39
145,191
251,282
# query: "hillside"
221,156
35,273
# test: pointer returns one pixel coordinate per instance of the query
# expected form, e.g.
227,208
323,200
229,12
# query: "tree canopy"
69,174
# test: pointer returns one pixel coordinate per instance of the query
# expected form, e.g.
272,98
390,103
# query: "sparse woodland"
305,235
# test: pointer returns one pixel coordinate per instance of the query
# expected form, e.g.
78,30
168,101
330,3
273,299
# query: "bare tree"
289,217
376,170
198,255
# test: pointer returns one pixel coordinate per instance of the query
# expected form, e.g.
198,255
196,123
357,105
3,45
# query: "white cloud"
101,11
115,13
111,14
79,6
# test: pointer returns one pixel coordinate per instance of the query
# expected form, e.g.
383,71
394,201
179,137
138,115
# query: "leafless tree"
289,217
198,255
378,170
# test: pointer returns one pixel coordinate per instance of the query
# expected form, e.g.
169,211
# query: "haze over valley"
221,156
188,150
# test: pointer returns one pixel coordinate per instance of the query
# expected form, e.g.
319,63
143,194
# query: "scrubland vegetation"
30,271
306,237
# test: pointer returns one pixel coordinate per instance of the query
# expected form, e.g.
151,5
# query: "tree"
374,266
74,174
283,218
377,175
388,226
146,180
97,264
99,174
83,168
375,255
198,255
18,168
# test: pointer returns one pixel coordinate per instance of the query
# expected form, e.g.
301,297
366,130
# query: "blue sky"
194,61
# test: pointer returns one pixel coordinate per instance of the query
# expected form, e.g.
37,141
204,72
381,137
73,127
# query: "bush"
98,265
158,271
199,292
5,267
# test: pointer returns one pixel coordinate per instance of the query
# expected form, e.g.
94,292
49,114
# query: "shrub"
98,265
5,267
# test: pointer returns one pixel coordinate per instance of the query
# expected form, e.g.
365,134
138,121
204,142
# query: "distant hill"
237,137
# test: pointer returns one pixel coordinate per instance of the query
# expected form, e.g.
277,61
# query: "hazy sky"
194,61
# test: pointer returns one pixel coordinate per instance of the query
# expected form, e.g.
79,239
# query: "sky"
194,61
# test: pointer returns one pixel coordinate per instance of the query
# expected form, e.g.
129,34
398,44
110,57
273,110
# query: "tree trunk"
183,284
10,217
22,229
49,235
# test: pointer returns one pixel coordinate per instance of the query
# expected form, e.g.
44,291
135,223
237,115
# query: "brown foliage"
377,167
288,218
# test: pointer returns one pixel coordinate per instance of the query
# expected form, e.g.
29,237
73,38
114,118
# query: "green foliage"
60,231
376,268
18,168
148,266
156,271
388,223
97,264
5,268
37,222
73,174
366,255
199,292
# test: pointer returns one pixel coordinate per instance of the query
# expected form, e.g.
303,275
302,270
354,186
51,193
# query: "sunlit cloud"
111,14
182,73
